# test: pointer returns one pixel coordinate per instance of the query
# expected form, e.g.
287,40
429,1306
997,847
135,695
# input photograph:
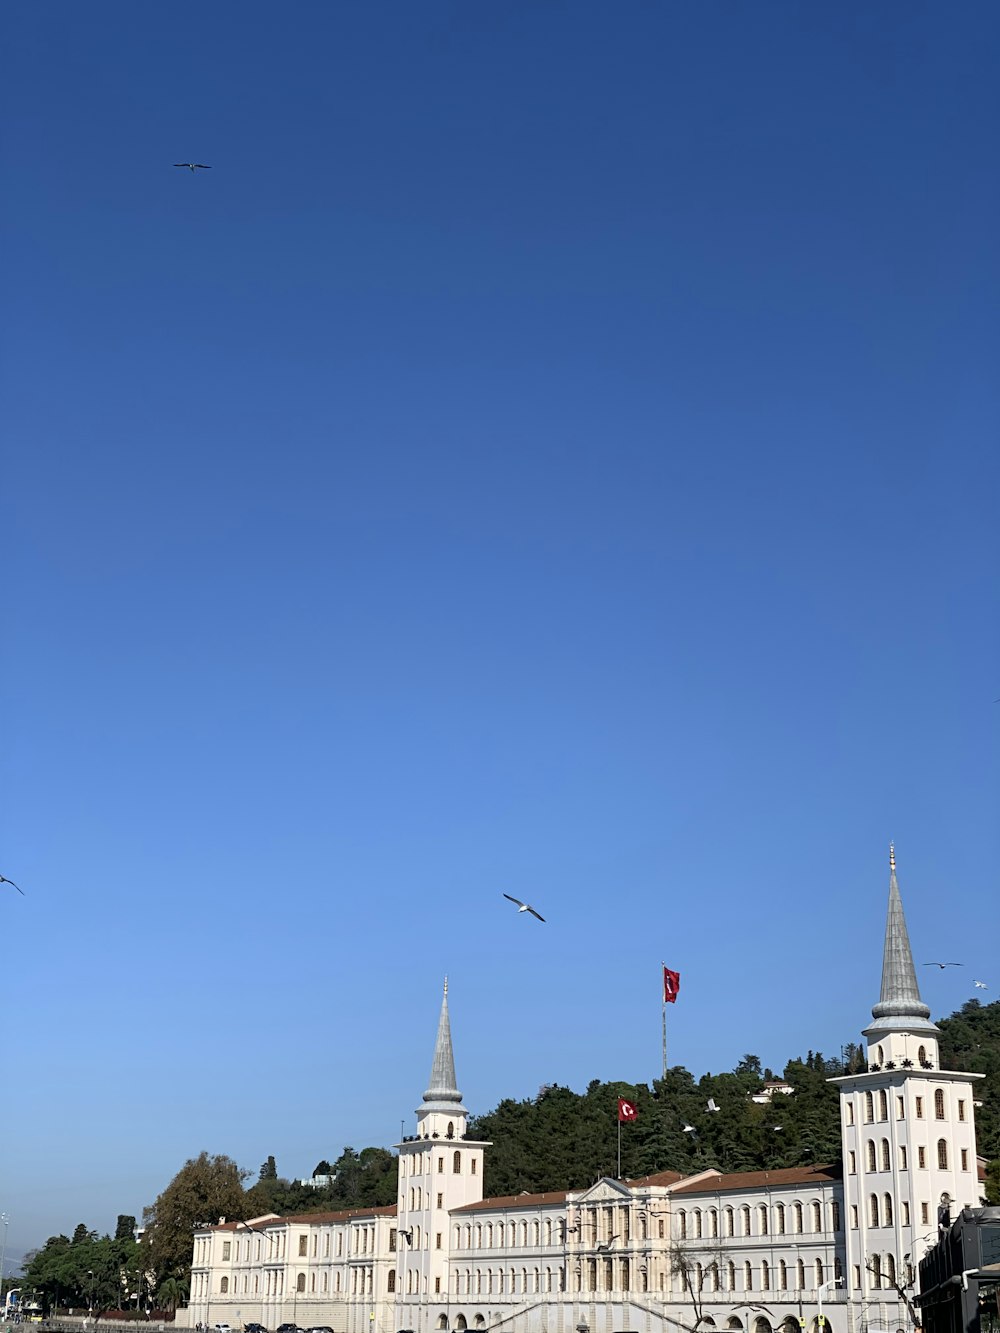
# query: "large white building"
754,1251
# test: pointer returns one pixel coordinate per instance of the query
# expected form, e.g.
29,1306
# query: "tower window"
456,1163
961,1109
939,1104
942,1154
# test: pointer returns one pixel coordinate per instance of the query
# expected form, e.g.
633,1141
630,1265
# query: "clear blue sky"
553,450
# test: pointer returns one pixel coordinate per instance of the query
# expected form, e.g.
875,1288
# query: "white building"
756,1251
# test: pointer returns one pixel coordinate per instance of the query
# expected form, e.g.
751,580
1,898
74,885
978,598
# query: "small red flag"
671,985
626,1110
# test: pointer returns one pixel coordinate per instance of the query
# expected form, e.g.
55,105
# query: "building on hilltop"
831,1249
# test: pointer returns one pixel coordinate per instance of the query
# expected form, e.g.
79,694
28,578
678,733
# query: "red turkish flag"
671,985
626,1110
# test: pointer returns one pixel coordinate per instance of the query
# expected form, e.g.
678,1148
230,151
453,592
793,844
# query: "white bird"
777,1128
690,1129
524,907
5,880
943,965
194,166
712,1106
980,985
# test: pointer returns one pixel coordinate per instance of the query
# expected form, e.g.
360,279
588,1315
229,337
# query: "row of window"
779,1277
419,1164
696,1224
880,1160
324,1283
882,1105
362,1241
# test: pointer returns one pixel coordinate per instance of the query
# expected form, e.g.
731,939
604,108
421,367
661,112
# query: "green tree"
205,1189
125,1228
170,1293
268,1170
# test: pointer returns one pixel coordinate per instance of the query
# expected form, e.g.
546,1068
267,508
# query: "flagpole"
663,1006
619,1176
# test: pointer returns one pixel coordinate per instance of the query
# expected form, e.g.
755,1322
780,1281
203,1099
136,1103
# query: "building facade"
830,1249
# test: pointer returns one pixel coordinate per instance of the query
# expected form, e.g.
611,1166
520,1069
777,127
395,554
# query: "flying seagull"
194,166
5,880
524,907
690,1129
944,965
712,1106
980,985
603,1249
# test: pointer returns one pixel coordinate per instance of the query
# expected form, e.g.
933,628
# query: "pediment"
605,1190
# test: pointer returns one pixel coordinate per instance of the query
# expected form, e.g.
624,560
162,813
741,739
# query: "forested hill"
562,1139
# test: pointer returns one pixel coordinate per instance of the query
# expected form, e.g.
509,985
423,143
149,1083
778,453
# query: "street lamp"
830,1282
5,1219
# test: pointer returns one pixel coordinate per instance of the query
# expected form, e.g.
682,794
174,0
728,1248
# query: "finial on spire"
446,985
900,1006
892,867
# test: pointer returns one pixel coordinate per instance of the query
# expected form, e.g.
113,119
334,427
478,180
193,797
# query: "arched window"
887,1210
797,1213
391,1283
883,1105
745,1218
499,1235
730,1224
730,1276
942,1154
451,1129
870,1149
534,1233
819,1273
747,1277
939,1104
869,1108
873,1210
875,1268
682,1224
762,1219
300,1282
713,1223
800,1275
456,1163
783,1275
696,1218
922,1054
781,1219
713,1273
765,1275
885,1155
224,1285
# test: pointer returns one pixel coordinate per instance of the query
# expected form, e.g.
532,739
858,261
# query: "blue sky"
553,450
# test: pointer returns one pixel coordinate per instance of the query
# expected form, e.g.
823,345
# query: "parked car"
221,1328
321,1328
254,1328
287,1328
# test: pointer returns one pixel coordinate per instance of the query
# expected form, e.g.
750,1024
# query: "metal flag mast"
663,1007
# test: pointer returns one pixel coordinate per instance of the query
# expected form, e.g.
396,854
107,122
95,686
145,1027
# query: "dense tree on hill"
205,1189
970,1041
89,1271
125,1228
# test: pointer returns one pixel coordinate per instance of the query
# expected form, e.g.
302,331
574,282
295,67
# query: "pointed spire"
900,1005
442,1085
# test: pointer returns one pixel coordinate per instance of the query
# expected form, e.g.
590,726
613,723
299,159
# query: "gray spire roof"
442,1092
900,1005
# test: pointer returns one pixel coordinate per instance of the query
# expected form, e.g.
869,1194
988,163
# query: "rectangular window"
852,1157
854,1217
437,1241
437,1286
303,1246
226,1246
920,1108
900,1108
961,1109
472,1169
440,1165
440,1200
902,1157
924,1214
850,1113
921,1157
906,1213
965,1159
857,1277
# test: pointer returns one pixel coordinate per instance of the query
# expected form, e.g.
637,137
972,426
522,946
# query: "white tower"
909,1139
439,1169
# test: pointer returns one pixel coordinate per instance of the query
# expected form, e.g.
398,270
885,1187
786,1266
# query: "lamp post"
830,1282
5,1219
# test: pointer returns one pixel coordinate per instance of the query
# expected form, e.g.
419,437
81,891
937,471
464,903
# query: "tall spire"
900,1005
442,1087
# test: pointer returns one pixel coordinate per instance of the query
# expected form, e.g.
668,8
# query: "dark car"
287,1328
321,1328
254,1328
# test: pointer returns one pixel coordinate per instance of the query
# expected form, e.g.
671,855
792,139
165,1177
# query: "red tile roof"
755,1180
658,1178
345,1215
524,1200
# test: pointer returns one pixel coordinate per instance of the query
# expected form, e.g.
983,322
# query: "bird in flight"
194,166
690,1129
712,1106
5,880
980,985
524,907
603,1249
944,965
